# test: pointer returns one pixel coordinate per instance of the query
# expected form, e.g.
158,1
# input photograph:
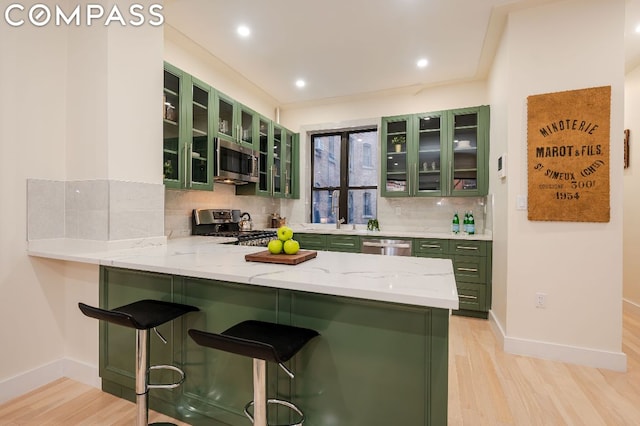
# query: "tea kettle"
245,222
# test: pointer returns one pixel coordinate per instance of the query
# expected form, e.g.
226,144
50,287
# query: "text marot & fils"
572,180
42,15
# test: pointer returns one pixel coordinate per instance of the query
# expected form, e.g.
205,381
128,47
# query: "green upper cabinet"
279,158
187,131
435,154
173,119
291,165
468,151
235,122
263,145
194,114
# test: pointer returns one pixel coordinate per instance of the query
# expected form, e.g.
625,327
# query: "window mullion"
344,177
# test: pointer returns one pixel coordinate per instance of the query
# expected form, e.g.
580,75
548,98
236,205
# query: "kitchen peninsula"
383,321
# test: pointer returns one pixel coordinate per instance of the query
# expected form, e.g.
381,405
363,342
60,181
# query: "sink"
330,228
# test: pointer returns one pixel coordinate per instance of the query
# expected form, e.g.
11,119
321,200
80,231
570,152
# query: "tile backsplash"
101,210
179,205
432,214
109,210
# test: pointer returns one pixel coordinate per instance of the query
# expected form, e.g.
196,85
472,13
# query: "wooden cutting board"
286,259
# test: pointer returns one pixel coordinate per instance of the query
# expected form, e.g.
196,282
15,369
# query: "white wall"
563,46
32,144
631,248
77,104
499,84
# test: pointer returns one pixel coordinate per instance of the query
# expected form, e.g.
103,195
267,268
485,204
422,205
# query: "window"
366,155
366,201
344,183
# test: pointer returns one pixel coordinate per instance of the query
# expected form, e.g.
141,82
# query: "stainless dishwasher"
386,247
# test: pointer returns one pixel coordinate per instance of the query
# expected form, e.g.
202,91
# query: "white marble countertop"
407,280
314,228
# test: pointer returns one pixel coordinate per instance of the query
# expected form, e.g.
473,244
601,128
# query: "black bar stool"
143,315
262,341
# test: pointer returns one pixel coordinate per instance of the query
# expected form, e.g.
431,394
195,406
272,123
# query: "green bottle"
465,223
455,224
472,224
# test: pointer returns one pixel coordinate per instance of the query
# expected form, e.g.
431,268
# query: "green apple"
285,233
275,246
291,246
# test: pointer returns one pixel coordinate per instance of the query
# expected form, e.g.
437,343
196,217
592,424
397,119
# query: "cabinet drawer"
348,243
470,269
468,248
472,297
311,241
430,247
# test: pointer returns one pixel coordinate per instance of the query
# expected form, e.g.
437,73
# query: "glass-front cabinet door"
264,181
429,165
187,130
246,125
468,151
288,164
201,146
276,163
226,117
396,165
172,151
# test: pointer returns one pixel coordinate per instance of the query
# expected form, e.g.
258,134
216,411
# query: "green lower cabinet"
311,241
471,263
219,384
330,242
472,299
117,343
344,243
374,363
472,268
423,247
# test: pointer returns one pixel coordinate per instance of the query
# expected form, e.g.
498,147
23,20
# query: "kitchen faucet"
335,206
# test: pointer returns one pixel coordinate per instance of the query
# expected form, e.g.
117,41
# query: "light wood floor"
486,387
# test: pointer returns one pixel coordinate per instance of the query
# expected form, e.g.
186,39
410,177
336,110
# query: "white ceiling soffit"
348,48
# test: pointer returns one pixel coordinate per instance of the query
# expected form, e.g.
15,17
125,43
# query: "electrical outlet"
398,211
541,300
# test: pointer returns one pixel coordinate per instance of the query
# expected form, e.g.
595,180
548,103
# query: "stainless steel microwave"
234,163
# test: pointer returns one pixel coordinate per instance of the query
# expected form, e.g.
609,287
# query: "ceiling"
346,48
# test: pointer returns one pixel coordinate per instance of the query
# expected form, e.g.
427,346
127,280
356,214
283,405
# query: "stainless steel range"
226,223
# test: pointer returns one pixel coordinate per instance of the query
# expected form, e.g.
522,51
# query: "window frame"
343,199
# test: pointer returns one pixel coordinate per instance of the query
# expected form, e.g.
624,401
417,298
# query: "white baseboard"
30,380
616,361
632,305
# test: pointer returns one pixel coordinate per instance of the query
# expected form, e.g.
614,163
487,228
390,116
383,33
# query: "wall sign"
568,140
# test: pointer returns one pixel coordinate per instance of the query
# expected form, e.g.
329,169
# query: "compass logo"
40,15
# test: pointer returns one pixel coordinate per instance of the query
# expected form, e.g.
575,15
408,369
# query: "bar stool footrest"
278,402
167,385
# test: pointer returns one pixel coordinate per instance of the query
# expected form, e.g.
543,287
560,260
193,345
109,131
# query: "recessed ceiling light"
422,63
300,83
638,28
243,31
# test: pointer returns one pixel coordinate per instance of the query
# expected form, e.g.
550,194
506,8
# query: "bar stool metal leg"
142,377
259,392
